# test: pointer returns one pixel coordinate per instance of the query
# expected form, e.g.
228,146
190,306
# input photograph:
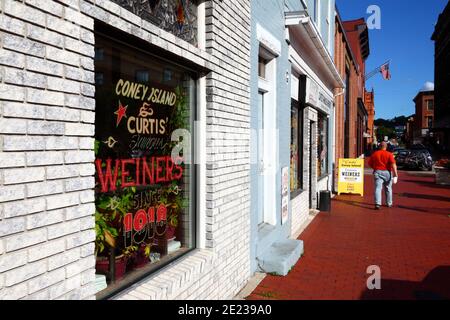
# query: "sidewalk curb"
252,284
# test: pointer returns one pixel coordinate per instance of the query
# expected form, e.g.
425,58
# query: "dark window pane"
144,215
322,146
296,162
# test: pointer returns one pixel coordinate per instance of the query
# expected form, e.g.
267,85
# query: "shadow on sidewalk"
424,196
363,205
438,211
435,286
428,184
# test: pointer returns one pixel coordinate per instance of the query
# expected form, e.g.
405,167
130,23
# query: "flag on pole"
384,69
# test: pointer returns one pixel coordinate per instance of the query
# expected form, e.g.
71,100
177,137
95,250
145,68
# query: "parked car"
419,147
397,151
401,157
419,159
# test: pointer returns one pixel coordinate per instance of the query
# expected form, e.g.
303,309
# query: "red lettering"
128,222
146,172
169,168
159,169
138,172
107,180
161,214
126,173
179,168
151,215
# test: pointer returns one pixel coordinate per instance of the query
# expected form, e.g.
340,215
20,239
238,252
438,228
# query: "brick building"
355,109
93,94
370,134
346,100
424,116
441,36
358,37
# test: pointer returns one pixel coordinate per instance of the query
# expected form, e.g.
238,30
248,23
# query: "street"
410,243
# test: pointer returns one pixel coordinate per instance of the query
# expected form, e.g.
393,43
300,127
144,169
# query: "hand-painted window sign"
143,225
139,91
146,172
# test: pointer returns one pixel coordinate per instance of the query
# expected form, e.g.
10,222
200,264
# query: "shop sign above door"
317,97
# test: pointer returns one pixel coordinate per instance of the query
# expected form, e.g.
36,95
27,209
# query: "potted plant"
172,224
109,219
142,256
105,239
442,168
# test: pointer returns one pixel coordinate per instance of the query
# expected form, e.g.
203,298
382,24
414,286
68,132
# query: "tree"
385,132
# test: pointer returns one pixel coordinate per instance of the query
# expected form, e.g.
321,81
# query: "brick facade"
424,118
46,135
441,38
348,68
422,111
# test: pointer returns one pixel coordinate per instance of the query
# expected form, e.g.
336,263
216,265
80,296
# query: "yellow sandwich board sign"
351,176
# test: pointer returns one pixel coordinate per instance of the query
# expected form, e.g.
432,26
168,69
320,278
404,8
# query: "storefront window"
322,146
296,147
144,194
178,17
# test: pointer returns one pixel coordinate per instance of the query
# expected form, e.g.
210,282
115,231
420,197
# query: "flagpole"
376,70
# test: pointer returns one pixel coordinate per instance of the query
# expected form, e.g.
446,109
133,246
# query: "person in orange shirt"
383,163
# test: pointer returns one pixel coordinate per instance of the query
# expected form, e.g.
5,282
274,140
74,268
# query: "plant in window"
105,233
109,223
130,251
142,255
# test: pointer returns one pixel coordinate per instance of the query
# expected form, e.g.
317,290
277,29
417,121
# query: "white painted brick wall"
65,63
46,150
210,274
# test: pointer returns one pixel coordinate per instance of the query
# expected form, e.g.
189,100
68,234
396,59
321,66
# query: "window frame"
326,124
149,50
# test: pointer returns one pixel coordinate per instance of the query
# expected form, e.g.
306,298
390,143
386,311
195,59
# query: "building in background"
355,107
358,36
424,116
409,136
441,36
370,134
346,102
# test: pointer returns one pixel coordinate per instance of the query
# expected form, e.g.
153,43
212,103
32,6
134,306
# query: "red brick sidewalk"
410,243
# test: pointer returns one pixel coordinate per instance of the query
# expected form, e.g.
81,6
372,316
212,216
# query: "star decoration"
121,112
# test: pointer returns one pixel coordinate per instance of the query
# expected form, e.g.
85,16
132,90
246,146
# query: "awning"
301,24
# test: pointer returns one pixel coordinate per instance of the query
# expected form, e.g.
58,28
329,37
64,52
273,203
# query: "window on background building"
296,173
347,114
430,105
178,17
322,145
262,65
430,122
144,196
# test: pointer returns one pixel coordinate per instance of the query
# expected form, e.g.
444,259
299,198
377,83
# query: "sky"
405,39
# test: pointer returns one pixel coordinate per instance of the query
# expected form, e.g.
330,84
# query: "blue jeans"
383,178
